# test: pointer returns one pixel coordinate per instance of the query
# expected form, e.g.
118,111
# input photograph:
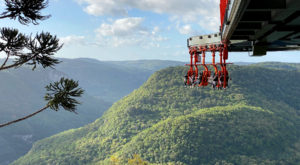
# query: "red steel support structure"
252,26
223,9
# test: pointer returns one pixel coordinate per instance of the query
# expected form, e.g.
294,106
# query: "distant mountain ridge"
23,91
255,121
112,79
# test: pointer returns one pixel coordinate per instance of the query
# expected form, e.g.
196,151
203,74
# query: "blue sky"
134,29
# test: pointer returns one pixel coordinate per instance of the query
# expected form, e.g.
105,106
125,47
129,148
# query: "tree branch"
5,16
12,66
15,64
3,65
26,117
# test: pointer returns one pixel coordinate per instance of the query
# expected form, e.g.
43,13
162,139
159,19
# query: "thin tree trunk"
26,117
5,16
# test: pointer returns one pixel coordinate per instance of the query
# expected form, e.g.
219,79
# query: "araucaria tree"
33,51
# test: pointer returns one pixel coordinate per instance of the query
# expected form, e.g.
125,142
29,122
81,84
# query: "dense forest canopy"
256,121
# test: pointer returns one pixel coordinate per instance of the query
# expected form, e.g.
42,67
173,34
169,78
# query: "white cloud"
73,40
159,38
211,23
128,32
187,11
186,29
122,27
103,7
155,30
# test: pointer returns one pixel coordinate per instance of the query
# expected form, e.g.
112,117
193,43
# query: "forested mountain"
256,121
22,91
110,80
279,65
150,65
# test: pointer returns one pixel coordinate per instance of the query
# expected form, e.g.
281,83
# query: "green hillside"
256,121
23,91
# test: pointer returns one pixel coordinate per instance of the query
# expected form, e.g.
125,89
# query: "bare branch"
24,118
4,63
5,16
17,64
